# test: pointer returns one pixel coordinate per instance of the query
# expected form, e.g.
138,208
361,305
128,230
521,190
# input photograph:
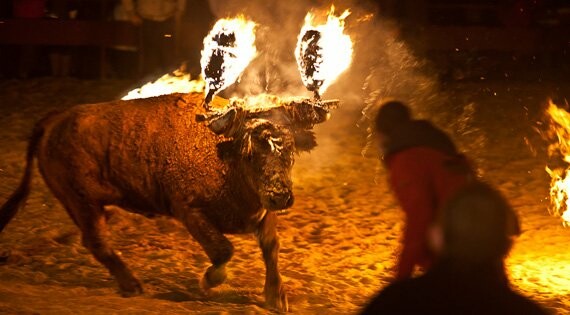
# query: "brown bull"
152,157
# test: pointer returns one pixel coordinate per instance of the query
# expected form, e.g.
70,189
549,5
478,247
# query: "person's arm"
411,184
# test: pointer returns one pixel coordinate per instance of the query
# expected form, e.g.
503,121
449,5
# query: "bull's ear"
305,140
226,123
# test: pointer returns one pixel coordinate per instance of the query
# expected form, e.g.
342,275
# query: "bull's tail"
18,197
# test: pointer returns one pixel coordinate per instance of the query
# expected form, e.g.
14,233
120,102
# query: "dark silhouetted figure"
472,235
425,169
124,59
160,21
28,54
60,56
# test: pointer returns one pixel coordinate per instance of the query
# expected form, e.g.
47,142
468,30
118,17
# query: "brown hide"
151,156
144,155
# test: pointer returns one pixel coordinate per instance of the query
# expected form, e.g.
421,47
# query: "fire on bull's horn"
323,52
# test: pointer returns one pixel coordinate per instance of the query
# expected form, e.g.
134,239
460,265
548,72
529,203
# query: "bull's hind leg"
92,222
218,248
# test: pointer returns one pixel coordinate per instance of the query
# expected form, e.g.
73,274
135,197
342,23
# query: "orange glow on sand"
546,275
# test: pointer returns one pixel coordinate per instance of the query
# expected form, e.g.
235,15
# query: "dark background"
464,39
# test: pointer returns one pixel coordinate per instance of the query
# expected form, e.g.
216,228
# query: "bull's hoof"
130,288
277,299
213,277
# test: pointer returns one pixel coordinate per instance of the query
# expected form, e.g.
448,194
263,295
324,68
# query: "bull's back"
138,150
175,154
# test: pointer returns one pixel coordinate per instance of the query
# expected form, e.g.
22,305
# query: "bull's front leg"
275,295
218,248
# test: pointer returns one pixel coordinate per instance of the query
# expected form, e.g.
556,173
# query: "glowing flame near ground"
323,51
177,82
228,49
560,177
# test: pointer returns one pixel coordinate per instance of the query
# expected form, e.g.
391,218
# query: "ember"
228,49
323,51
560,177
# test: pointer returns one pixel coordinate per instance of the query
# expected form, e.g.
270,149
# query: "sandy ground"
339,241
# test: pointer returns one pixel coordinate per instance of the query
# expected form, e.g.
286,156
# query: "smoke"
383,66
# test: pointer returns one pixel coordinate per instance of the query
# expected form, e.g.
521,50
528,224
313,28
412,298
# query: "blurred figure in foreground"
425,169
472,236
161,23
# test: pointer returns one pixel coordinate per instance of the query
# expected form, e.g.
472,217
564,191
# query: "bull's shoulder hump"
176,99
191,103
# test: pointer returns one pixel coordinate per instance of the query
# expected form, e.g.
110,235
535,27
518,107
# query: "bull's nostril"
290,201
285,202
281,200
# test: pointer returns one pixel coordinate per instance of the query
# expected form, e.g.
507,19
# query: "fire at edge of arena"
560,176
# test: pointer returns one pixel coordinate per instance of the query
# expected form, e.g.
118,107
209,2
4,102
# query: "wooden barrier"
100,34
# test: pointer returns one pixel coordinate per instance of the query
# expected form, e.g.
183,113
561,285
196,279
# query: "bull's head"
267,152
267,142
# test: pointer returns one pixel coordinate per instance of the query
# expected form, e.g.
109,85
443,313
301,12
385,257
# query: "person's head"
475,226
391,114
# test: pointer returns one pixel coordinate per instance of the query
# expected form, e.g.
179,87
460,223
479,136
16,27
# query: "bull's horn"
227,123
209,98
307,113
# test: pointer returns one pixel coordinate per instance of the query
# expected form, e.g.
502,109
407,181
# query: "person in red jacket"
425,169
472,236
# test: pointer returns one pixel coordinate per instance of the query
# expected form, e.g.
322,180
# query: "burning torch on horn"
228,49
323,52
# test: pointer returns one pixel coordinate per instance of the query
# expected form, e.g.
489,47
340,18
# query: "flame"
178,82
323,51
228,49
261,101
560,177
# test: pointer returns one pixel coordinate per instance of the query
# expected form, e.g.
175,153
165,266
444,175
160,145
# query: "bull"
227,172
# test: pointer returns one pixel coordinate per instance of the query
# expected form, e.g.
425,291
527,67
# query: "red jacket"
425,170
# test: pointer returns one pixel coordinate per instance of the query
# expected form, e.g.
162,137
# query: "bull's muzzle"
279,201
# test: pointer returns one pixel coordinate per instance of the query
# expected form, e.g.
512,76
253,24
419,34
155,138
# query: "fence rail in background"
99,34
